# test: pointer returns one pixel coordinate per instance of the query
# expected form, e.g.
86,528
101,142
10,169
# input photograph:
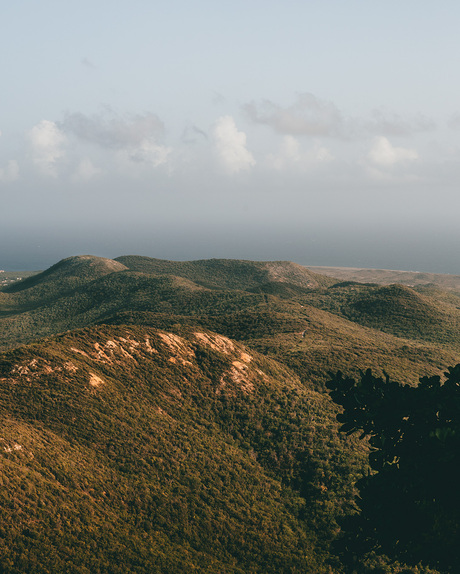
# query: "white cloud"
292,155
47,142
231,146
10,172
307,116
383,154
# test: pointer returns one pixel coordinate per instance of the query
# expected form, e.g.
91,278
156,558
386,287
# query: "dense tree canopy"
409,503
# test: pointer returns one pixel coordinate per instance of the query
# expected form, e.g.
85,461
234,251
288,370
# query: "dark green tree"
409,503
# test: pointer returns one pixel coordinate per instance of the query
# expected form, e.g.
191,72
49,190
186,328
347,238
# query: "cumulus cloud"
230,146
307,116
47,145
10,172
291,155
109,130
383,154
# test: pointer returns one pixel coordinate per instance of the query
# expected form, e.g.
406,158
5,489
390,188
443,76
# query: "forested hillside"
162,452
173,416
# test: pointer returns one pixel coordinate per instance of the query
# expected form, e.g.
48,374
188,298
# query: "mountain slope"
161,445
124,291
429,315
63,277
313,330
163,452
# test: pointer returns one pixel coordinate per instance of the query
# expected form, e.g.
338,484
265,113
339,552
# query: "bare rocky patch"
95,381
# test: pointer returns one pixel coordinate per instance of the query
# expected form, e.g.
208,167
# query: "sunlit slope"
164,452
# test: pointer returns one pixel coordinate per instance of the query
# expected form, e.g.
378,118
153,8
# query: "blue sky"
324,133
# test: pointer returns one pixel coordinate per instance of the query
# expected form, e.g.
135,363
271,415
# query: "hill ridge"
68,273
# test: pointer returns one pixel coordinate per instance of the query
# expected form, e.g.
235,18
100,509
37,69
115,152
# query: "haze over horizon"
321,133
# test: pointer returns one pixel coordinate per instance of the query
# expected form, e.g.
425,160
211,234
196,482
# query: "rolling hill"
230,273
173,415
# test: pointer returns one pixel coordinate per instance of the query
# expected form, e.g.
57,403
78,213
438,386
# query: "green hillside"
64,276
427,315
229,273
86,290
163,452
144,429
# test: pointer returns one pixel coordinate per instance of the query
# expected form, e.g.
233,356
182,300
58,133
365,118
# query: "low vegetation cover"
160,416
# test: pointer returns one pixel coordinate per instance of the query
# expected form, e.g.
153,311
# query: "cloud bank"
312,145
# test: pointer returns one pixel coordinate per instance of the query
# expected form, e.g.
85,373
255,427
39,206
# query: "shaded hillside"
395,309
164,452
63,277
79,291
230,273
97,300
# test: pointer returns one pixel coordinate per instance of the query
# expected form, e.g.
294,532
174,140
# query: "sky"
326,133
